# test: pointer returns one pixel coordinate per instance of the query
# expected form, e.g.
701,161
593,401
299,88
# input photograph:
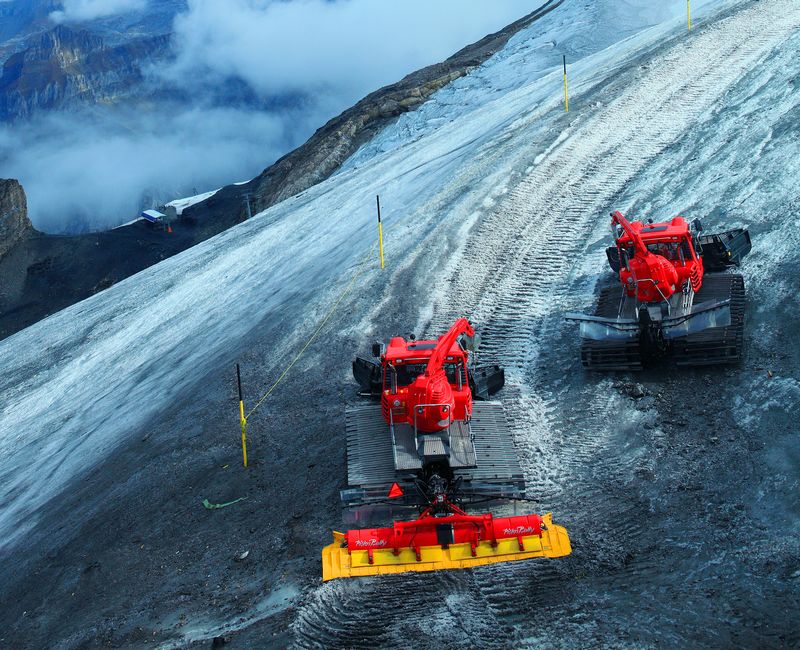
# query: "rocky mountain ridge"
64,67
20,19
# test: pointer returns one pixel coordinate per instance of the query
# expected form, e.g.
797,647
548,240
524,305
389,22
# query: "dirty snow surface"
119,415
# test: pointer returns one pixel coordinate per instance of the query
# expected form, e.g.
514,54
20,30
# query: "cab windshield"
666,249
675,252
408,372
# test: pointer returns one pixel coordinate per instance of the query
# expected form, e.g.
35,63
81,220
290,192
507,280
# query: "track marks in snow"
519,270
422,607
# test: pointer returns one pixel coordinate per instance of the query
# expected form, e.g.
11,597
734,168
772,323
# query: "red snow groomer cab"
429,444
427,385
673,297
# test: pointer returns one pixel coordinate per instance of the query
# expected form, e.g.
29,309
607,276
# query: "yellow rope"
330,313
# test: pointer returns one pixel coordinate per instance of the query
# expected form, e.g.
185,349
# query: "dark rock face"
14,222
63,66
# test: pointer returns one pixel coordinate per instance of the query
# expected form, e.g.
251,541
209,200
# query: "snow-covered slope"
80,383
494,172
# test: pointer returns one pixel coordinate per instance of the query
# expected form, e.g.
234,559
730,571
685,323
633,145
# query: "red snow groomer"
429,444
673,297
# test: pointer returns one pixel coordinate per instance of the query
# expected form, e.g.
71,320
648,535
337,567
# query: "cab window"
666,249
407,373
452,370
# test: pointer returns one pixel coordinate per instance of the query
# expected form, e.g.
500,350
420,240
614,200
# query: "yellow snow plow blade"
339,562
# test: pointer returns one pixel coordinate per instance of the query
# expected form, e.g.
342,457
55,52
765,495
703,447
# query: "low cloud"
82,174
303,61
83,10
338,50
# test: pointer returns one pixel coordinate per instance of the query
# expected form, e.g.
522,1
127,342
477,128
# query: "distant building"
153,216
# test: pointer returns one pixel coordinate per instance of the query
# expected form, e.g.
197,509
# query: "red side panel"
453,529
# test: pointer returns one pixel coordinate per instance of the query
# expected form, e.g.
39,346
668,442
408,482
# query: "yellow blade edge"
337,562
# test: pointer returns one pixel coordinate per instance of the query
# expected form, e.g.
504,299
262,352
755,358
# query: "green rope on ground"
214,506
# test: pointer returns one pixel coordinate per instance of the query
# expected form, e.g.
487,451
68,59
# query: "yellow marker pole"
242,418
380,231
689,13
566,86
